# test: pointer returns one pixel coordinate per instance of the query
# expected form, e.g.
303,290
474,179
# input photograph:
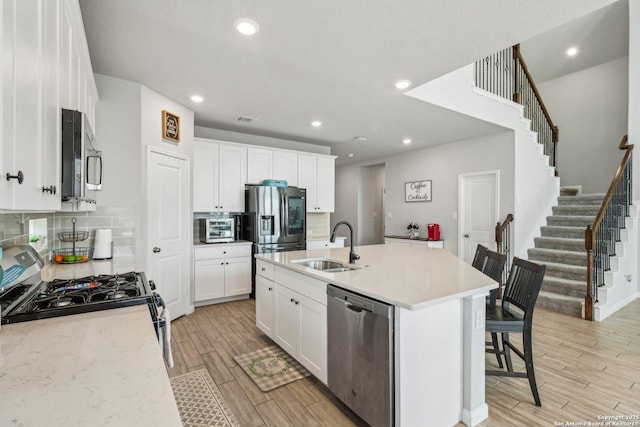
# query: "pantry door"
169,232
478,202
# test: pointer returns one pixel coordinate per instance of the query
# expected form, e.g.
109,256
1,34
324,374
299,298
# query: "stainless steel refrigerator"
275,218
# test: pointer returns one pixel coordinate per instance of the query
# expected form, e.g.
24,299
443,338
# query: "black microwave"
81,161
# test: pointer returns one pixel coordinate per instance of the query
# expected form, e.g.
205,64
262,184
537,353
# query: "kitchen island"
438,336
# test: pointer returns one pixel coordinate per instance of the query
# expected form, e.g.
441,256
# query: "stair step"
563,232
576,210
565,271
587,199
557,285
560,303
558,256
560,243
570,221
568,191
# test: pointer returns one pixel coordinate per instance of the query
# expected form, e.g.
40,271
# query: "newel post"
516,74
588,299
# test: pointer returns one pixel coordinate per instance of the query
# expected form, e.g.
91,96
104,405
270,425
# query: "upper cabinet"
316,173
269,163
45,66
219,175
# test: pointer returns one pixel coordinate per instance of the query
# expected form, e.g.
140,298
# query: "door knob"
156,250
466,236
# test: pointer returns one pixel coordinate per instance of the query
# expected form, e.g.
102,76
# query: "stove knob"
152,285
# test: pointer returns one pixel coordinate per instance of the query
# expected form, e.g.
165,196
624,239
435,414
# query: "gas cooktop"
63,297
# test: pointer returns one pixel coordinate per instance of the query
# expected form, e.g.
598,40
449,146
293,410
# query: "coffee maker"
433,231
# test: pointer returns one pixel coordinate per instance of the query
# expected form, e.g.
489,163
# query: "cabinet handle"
19,177
224,252
292,300
297,302
50,189
270,289
156,250
227,263
220,207
263,269
222,263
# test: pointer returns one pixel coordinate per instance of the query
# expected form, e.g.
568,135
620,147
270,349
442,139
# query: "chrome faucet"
352,255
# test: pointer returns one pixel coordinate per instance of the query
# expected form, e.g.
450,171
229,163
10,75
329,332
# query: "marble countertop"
408,276
85,369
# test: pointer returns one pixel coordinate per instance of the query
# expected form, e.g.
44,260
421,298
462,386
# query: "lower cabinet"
295,322
221,272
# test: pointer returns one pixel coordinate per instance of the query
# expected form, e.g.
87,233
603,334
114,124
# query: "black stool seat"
501,320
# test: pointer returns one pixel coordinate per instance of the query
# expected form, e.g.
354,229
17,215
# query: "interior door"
169,218
478,212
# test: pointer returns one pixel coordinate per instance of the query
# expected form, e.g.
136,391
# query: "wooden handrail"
517,55
590,232
500,227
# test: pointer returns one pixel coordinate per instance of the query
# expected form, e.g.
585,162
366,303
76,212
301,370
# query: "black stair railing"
600,237
503,246
506,74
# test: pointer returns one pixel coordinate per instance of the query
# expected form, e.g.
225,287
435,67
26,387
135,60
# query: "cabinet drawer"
221,251
265,269
305,285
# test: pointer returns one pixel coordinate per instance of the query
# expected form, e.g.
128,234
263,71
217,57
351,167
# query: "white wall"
346,201
634,108
590,109
441,164
245,138
370,209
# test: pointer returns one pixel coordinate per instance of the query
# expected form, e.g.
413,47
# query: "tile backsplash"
318,225
14,228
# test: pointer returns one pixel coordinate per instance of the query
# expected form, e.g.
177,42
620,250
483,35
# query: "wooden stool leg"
507,351
528,360
496,347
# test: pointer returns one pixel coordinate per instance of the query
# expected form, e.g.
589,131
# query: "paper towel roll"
102,245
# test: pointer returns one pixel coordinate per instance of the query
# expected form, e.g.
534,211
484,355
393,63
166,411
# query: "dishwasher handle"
355,308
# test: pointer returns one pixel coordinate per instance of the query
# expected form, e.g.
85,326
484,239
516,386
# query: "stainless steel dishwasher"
360,354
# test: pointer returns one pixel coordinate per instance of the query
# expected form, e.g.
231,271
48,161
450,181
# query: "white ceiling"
332,60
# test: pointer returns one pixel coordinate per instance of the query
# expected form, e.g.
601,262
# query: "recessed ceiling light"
402,84
197,98
316,123
406,141
246,26
350,154
572,51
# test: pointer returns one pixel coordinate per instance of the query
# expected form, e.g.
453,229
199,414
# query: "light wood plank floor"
584,370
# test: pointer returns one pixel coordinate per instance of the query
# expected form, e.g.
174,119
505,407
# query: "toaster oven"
217,230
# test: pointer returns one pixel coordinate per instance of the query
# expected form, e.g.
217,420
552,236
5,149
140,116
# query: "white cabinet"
323,244
268,163
316,173
44,51
292,310
219,175
439,244
222,271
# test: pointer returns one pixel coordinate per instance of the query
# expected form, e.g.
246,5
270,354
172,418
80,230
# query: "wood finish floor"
585,370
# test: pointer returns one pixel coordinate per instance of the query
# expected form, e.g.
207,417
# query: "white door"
237,276
264,305
286,321
325,184
285,167
205,176
169,219
208,279
259,165
478,205
307,175
233,176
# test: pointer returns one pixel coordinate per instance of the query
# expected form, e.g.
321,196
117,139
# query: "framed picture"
170,126
417,191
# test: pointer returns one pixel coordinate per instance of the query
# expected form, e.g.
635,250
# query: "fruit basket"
73,236
72,256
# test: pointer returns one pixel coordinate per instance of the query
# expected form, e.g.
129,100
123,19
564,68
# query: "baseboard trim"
601,313
475,416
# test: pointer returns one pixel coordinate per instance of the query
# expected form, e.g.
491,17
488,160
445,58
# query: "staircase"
562,248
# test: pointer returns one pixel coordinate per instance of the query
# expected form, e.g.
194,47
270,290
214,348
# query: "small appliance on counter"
103,244
433,231
217,230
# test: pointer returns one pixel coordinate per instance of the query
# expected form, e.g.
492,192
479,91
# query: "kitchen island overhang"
439,324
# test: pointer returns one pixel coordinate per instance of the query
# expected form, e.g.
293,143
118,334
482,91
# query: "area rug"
200,402
271,367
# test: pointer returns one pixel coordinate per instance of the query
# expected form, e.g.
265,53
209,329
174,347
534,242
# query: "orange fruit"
59,258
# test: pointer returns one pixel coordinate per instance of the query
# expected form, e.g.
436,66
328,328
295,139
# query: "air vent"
360,139
244,119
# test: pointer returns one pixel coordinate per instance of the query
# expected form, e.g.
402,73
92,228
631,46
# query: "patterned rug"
271,367
200,402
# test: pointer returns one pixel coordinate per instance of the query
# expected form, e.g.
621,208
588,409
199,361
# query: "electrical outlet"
628,277
479,319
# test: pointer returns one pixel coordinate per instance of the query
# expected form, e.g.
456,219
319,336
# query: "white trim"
475,416
165,152
461,178
602,312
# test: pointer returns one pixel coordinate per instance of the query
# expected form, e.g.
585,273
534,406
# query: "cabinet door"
264,305
209,279
237,276
325,184
205,176
312,337
286,319
66,57
259,165
285,167
233,175
307,174
7,188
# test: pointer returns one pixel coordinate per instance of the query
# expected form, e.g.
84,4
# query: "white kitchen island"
438,328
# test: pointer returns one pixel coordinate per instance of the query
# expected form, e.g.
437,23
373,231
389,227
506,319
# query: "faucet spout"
352,255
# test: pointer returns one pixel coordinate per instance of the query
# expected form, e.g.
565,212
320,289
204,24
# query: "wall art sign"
170,126
417,191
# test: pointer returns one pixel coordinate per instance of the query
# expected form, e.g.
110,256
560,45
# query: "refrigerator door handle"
282,209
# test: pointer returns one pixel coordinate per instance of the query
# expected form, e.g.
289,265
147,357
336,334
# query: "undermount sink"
326,265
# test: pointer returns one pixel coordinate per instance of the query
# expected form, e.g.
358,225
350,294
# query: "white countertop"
54,270
95,369
234,243
407,276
